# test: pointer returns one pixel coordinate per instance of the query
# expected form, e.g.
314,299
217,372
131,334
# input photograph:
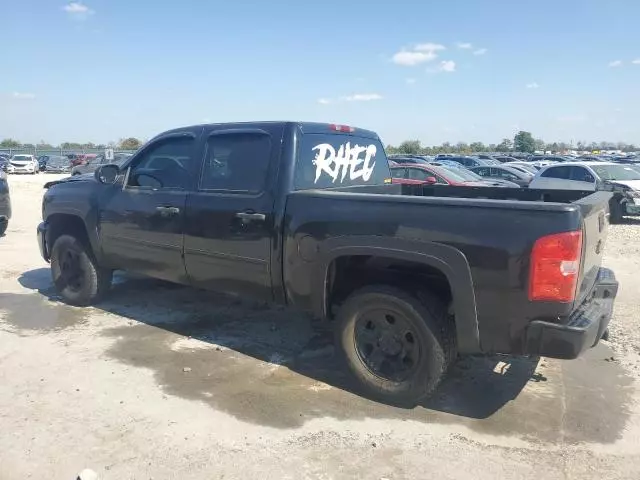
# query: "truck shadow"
475,387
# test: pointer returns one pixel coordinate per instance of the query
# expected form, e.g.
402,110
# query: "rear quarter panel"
494,237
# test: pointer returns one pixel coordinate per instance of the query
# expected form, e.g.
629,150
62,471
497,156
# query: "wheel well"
349,273
65,224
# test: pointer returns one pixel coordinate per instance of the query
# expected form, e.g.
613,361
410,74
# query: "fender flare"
71,210
450,261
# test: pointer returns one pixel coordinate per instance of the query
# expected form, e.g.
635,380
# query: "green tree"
9,143
413,147
539,145
462,147
133,143
506,145
477,147
70,145
524,142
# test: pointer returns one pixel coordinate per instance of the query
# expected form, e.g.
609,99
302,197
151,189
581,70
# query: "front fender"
450,261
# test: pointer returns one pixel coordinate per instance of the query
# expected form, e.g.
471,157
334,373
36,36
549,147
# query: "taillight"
555,267
342,128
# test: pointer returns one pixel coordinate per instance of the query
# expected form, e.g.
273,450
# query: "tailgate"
595,208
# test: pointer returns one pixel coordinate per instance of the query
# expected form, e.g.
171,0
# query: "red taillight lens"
555,267
342,128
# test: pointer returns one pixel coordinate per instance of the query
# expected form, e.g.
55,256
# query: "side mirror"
107,174
431,180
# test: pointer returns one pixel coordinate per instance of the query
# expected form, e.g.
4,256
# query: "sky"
456,70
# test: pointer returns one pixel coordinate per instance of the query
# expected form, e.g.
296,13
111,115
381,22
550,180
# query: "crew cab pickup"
306,215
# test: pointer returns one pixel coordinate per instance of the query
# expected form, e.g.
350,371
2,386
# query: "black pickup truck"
305,214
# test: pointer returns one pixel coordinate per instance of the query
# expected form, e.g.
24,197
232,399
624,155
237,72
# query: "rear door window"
418,174
557,172
581,174
335,160
398,172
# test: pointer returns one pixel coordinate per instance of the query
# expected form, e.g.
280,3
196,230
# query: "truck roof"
306,127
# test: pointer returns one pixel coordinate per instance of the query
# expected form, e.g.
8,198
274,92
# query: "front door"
142,222
229,220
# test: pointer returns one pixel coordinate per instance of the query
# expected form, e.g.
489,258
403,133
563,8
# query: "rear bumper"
584,328
41,232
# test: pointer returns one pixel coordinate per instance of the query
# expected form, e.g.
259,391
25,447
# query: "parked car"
468,175
58,164
271,210
94,163
502,172
409,159
5,203
505,158
623,180
42,162
469,161
4,162
23,164
80,158
531,167
430,175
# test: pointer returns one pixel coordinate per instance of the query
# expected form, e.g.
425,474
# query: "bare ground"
162,381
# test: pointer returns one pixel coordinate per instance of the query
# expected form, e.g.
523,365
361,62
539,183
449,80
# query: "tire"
615,211
421,329
4,224
76,274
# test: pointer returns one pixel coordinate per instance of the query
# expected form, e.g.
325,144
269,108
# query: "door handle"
250,216
168,211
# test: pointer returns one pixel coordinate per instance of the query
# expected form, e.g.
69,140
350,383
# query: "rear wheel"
76,274
396,345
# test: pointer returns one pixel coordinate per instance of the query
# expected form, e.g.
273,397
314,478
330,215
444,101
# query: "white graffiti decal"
346,160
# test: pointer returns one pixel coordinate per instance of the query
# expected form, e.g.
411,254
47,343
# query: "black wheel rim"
387,344
71,271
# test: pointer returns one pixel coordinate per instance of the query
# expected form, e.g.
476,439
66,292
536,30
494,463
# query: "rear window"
333,160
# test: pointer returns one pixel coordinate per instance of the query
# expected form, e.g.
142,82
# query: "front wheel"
396,345
76,274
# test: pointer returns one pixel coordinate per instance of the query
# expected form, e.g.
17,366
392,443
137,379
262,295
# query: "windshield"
462,174
616,172
333,160
22,158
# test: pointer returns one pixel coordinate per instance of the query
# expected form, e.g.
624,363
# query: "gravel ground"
165,382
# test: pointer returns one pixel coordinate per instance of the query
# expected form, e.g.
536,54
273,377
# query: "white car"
622,179
23,164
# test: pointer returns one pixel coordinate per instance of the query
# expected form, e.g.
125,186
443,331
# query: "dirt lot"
167,382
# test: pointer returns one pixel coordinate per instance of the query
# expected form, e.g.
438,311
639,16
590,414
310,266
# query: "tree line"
521,142
130,143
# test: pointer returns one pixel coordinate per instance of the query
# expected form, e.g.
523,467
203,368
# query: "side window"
164,164
581,174
418,174
556,172
236,162
397,172
483,171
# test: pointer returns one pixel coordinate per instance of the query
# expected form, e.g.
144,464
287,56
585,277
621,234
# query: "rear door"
582,179
229,217
556,178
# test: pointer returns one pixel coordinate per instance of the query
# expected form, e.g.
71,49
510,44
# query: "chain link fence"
55,151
